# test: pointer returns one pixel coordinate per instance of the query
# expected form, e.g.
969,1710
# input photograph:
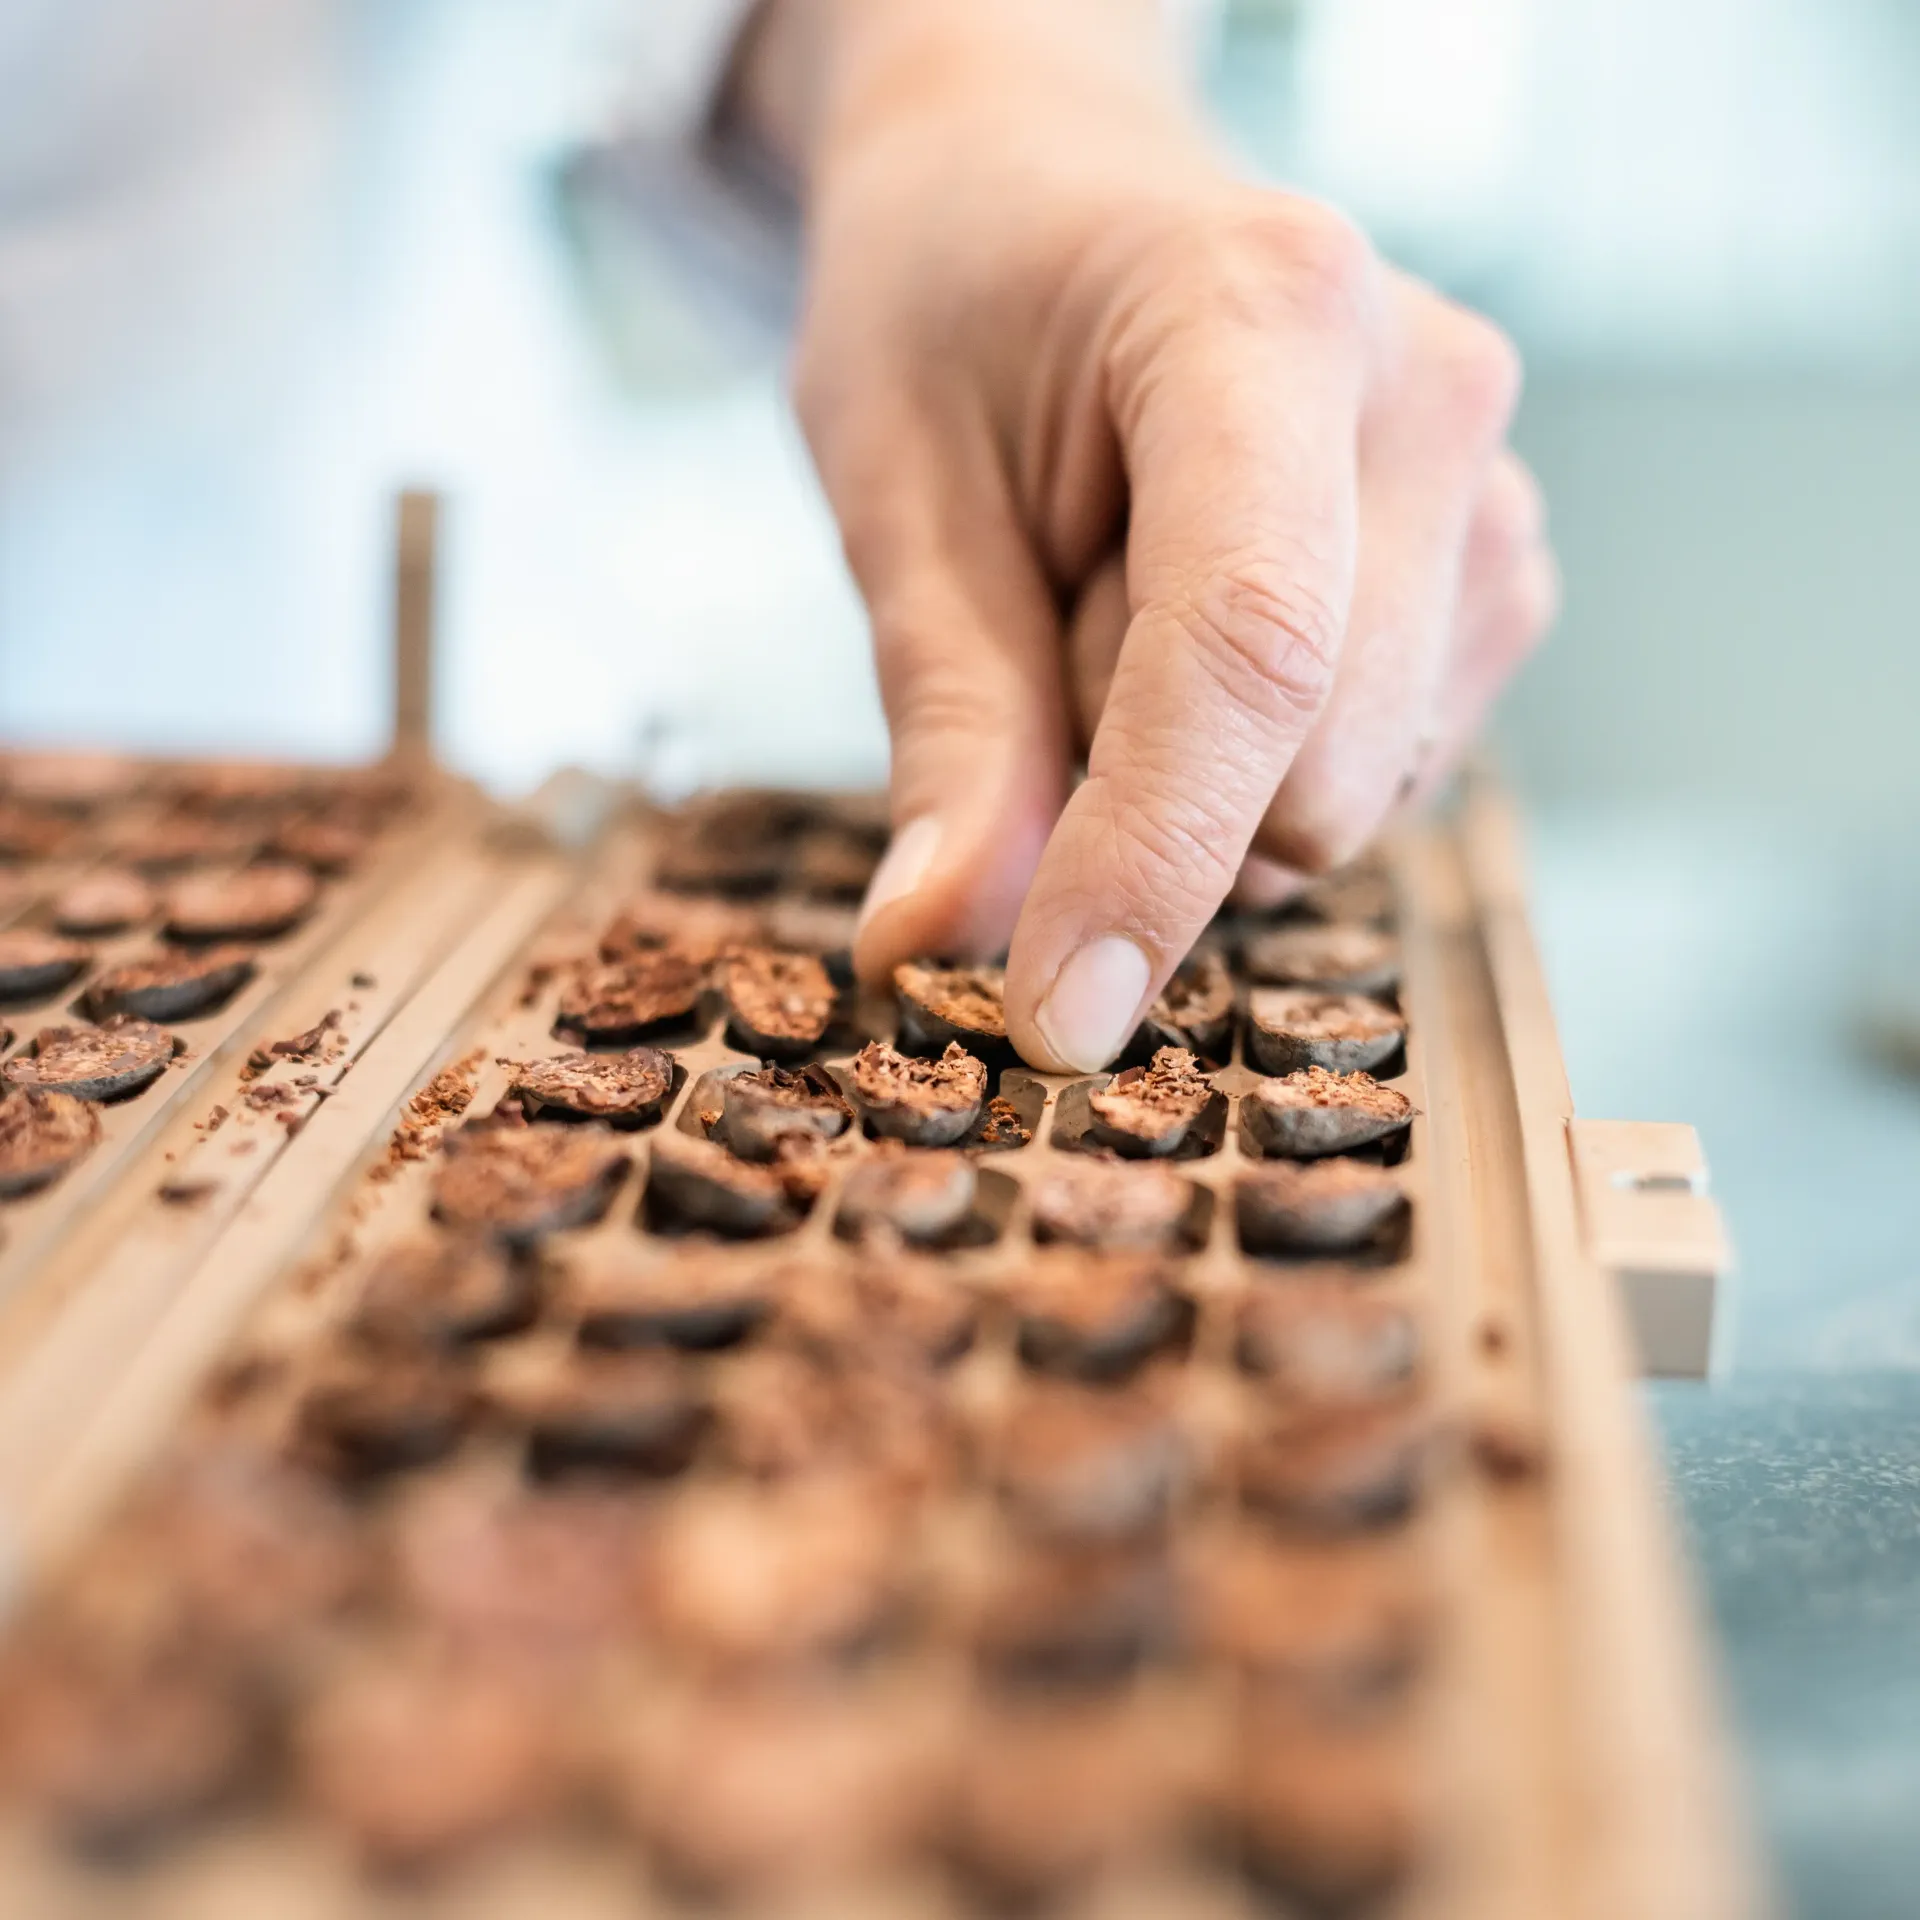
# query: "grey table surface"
1716,974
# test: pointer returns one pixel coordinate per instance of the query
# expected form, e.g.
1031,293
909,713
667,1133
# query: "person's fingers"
967,647
1264,885
1094,637
1239,416
1426,448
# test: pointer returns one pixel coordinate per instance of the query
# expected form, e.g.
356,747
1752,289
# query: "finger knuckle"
1509,516
1271,260
1175,854
1476,370
1267,635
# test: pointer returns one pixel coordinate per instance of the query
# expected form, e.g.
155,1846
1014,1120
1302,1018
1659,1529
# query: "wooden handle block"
1649,1222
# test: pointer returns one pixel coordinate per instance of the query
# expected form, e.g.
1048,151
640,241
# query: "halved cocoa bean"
728,843
702,929
445,1293
760,1110
1337,1467
522,1182
421,1753
879,1305
70,780
34,832
1152,1111
617,1005
1195,1009
1316,1206
782,1787
108,901
171,985
257,903
824,927
108,1062
1331,1818
1310,1114
321,843
700,1184
1076,1616
368,1415
41,1136
1097,1317
34,963
639,1413
1338,959
1292,1028
923,1197
739,1575
1096,1203
927,1103
179,840
1325,1340
834,863
622,1298
246,787
625,1089
945,1006
778,1004
1085,1463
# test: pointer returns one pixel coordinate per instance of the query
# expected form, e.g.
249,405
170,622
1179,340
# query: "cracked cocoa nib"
942,1006
1313,1113
1341,1624
625,1089
885,1303
781,1784
926,1103
34,963
116,1749
42,1135
105,902
372,1414
1292,1028
108,1062
1096,1203
617,1005
1195,1009
1325,1340
171,985
1151,1111
702,929
1095,1316
638,1413
445,1293
1076,1617
699,1184
257,903
923,1197
1330,1817
623,1298
1088,1464
738,1575
421,1753
1337,959
1054,1792
779,1004
760,1110
1336,1468
1317,1207
522,1182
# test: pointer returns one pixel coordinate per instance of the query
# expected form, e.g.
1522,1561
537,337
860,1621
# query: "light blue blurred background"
257,263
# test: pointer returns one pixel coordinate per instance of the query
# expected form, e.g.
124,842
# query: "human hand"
1133,457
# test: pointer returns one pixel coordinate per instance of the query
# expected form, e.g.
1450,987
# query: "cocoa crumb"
445,1097
1004,1127
363,981
185,1193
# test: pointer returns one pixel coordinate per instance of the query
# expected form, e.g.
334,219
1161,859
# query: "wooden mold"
814,1567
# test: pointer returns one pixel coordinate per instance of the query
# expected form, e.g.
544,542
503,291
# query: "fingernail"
904,866
1094,1003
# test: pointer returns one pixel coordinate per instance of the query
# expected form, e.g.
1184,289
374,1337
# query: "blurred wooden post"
415,560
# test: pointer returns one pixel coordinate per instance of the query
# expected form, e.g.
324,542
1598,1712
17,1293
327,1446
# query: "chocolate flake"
1293,1028
942,1006
118,1058
625,1089
1316,1206
1313,1113
1096,1203
257,903
171,985
778,1004
923,1197
1151,1111
34,963
926,1103
617,1005
524,1182
108,901
41,1135
760,1111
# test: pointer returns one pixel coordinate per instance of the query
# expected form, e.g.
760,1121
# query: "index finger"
1241,439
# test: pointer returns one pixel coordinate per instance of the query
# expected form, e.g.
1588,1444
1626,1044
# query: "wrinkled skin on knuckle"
1167,858
1268,638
